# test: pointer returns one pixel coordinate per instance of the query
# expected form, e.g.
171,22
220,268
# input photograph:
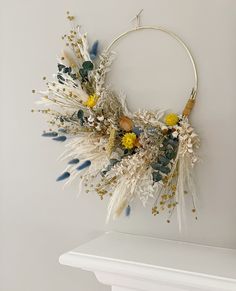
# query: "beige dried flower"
69,59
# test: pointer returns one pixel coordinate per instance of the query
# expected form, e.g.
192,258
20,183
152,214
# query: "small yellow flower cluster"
171,119
91,101
129,140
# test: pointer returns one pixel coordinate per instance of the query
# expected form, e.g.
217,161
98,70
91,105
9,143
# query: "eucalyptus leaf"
126,151
113,161
170,155
60,78
164,170
163,160
103,173
173,142
60,66
108,168
80,114
87,65
156,176
165,141
156,166
83,73
67,70
73,76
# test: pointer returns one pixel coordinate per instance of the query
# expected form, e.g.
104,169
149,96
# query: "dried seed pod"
126,123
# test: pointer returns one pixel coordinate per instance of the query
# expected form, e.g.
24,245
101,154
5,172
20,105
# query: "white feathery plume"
106,60
83,47
86,146
128,173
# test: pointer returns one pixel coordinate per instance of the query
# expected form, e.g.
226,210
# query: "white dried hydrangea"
150,118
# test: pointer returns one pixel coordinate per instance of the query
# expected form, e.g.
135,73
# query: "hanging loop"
191,101
137,18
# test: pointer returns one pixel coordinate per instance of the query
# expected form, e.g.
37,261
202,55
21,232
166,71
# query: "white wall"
39,220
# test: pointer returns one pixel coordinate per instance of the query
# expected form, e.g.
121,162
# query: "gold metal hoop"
188,108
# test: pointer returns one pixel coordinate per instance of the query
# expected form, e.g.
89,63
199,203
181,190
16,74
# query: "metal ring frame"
172,34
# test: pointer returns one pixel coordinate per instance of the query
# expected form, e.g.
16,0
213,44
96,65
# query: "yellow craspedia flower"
91,101
129,140
171,119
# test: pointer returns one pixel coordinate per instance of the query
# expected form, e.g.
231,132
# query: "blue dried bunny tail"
63,176
84,165
50,134
73,161
127,210
60,138
94,50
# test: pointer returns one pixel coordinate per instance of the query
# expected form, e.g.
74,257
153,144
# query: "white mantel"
130,262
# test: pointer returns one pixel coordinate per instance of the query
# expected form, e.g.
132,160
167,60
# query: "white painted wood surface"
130,262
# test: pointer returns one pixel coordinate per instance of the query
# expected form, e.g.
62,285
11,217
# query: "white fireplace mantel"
130,262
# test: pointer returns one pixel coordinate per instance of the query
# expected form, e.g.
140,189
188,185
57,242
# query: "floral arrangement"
146,155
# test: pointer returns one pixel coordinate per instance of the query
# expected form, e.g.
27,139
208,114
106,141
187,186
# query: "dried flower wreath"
116,153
